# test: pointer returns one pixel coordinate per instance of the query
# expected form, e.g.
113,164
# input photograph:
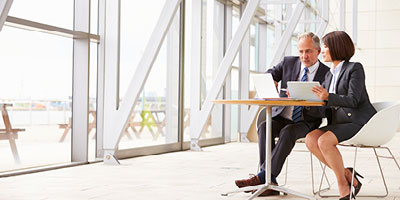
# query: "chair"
385,121
259,120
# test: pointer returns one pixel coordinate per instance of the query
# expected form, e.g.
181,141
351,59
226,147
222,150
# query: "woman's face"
326,56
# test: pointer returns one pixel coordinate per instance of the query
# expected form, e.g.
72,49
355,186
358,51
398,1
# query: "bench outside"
9,133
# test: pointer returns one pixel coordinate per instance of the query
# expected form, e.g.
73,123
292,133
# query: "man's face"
307,51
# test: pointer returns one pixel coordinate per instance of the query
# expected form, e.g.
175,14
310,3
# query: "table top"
274,102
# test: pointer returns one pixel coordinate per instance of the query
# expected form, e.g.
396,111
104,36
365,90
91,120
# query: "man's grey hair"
311,35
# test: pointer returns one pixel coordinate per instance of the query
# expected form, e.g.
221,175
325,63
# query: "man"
291,122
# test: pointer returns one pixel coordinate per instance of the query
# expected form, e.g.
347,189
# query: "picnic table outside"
67,127
154,120
9,133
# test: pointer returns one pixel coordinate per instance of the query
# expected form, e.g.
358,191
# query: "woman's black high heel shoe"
358,186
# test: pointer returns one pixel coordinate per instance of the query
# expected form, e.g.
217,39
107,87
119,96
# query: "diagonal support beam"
223,70
116,118
5,6
244,75
284,40
250,114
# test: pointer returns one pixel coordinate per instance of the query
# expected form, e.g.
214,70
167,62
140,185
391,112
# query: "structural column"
80,89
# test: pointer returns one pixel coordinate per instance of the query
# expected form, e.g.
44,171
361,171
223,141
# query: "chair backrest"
381,128
260,117
382,105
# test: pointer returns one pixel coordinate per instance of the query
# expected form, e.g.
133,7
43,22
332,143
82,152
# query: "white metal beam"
324,18
223,70
248,114
80,88
217,55
244,73
278,1
45,28
5,6
355,21
115,117
278,23
289,12
342,15
100,81
262,47
195,81
284,40
172,95
227,88
111,77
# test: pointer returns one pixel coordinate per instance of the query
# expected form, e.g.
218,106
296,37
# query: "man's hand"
320,92
276,86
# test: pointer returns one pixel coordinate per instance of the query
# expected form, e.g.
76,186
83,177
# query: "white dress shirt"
335,73
312,70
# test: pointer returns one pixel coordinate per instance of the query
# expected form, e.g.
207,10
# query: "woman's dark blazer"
351,102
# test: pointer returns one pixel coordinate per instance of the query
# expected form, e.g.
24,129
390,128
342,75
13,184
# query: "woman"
347,108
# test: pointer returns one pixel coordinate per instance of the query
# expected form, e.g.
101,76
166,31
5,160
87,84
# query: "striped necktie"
296,115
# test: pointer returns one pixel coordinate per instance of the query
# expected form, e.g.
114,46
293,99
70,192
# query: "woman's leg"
327,144
312,144
348,175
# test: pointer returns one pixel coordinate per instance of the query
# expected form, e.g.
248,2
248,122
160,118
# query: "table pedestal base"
261,188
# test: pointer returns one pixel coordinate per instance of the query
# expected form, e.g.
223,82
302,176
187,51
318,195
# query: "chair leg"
320,185
352,180
353,174
394,158
322,177
287,164
383,177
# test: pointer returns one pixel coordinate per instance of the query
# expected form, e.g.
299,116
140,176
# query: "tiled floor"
190,175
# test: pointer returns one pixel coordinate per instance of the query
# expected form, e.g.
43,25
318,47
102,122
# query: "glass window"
154,120
56,13
37,81
94,13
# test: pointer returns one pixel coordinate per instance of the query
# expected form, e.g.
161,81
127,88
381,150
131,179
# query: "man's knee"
288,134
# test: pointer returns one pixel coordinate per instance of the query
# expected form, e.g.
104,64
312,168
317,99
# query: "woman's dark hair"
340,45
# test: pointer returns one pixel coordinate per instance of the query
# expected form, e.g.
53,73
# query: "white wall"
378,47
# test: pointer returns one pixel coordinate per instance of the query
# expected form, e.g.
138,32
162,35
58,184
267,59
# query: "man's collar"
312,68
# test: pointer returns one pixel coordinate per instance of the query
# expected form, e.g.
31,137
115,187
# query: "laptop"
265,87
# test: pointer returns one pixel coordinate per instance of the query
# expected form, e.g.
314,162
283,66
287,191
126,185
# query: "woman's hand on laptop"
320,92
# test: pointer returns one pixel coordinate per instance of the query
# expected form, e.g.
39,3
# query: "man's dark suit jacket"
289,70
351,102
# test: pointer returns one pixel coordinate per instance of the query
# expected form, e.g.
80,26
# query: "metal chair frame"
363,143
